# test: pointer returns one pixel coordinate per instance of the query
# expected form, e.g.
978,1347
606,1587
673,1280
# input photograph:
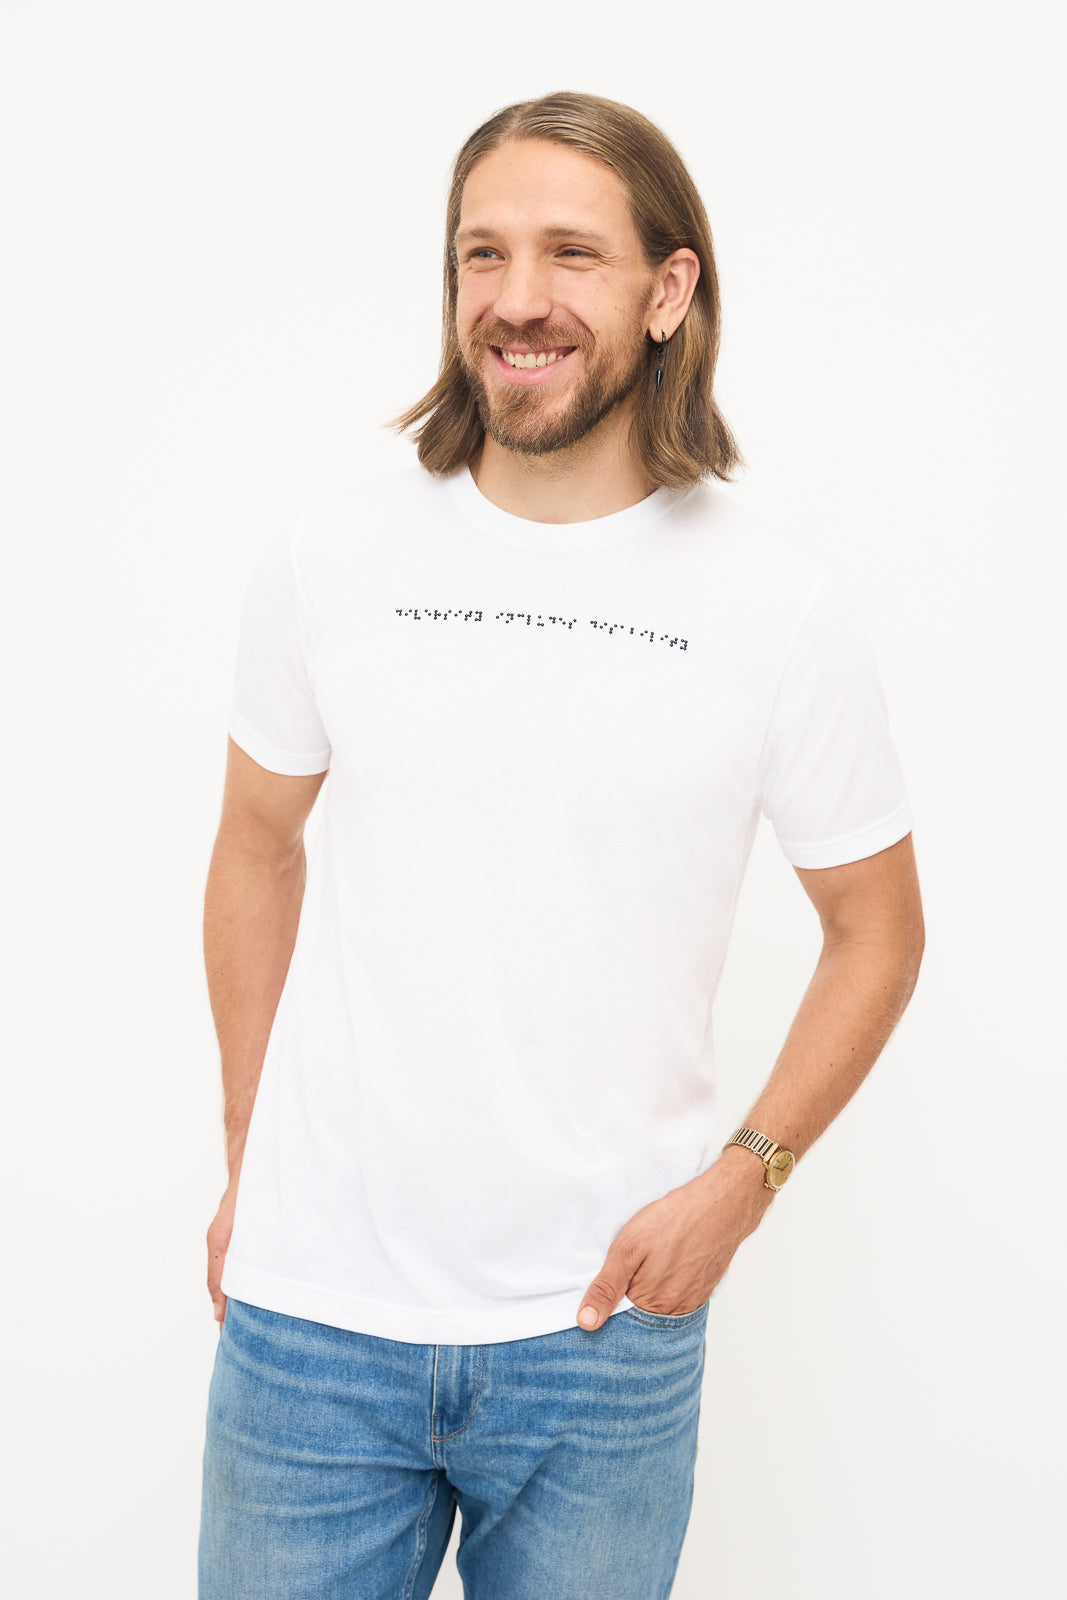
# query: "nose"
523,295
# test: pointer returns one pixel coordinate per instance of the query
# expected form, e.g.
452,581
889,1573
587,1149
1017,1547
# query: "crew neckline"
503,525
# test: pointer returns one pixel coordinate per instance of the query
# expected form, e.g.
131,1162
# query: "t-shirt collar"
529,535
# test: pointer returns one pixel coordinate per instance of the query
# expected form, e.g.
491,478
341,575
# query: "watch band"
752,1140
766,1149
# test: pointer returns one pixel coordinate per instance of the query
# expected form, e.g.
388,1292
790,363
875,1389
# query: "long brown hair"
678,435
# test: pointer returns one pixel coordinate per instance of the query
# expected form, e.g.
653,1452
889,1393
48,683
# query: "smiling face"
553,295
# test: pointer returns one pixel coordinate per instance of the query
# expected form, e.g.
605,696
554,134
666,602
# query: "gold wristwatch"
778,1161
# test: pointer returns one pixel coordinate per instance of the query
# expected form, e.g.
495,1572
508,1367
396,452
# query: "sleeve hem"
852,846
273,759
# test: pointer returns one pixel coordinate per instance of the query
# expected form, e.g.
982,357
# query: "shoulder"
762,565
346,511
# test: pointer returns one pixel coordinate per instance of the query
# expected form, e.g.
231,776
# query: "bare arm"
872,928
255,888
670,1256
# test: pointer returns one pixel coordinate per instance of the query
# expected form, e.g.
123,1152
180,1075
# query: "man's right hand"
218,1242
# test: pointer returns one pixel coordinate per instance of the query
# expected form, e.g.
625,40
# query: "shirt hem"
408,1324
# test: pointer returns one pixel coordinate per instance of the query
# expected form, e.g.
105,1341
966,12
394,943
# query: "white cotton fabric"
548,749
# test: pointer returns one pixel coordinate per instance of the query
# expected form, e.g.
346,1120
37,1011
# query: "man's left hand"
672,1253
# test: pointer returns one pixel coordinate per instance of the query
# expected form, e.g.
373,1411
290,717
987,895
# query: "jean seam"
443,1438
420,1535
664,1319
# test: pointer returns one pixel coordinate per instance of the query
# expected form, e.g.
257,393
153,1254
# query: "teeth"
541,360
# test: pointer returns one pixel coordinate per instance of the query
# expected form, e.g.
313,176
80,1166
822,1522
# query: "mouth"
529,366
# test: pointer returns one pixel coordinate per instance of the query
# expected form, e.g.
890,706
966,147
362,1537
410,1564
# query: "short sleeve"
831,782
274,717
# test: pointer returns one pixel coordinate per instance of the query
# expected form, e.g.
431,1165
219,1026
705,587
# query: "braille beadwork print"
536,619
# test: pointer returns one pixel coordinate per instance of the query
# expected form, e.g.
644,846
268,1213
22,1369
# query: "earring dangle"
659,369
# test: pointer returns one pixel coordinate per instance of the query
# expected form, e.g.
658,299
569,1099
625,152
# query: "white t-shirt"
548,749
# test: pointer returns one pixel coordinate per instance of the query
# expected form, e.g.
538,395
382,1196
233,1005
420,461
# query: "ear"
676,279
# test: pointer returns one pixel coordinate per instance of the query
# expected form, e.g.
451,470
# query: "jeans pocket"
663,1319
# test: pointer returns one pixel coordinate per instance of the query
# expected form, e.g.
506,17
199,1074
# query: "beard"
530,422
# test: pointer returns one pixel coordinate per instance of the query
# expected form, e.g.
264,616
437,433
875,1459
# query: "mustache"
498,334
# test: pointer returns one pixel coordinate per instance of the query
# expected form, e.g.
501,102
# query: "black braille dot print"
418,614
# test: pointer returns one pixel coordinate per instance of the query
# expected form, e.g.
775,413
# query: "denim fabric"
335,1461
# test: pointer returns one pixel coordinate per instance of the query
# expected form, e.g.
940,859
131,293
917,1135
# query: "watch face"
779,1167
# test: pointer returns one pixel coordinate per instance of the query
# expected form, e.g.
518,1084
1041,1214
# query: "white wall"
220,275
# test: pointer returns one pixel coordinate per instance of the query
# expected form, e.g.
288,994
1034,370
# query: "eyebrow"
559,230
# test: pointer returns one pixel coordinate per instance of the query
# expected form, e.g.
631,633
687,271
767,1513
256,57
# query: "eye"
573,250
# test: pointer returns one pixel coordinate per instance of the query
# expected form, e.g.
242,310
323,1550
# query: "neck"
594,478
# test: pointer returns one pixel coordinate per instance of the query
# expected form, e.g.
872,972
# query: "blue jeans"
335,1461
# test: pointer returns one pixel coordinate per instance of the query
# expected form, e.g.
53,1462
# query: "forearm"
671,1254
251,911
855,999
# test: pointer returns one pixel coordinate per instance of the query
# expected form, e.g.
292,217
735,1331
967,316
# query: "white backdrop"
220,275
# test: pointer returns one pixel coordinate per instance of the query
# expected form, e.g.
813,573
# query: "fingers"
598,1302
216,1257
218,1240
605,1292
215,1261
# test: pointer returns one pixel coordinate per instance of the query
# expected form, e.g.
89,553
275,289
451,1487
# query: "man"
484,1199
